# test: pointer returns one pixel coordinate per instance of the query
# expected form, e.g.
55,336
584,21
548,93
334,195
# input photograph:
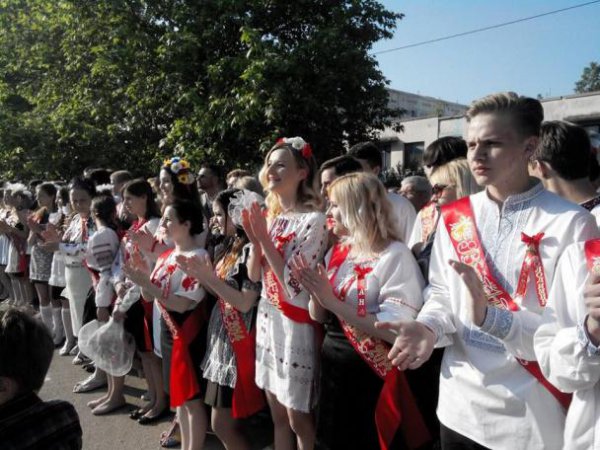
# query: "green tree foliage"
590,79
123,83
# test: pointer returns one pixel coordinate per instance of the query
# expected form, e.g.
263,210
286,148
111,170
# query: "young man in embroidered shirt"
562,161
489,398
567,344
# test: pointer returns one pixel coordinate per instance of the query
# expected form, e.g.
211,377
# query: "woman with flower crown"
286,336
176,182
228,365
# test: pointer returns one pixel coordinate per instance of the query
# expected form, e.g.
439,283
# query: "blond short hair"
525,113
456,173
366,212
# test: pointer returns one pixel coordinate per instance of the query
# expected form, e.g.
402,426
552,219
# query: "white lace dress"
286,351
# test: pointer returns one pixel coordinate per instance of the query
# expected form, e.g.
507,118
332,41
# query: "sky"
542,56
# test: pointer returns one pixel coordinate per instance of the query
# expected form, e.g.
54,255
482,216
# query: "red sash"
396,407
247,397
275,292
183,381
460,224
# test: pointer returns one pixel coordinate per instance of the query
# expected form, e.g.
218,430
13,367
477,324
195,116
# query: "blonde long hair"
307,196
366,212
456,173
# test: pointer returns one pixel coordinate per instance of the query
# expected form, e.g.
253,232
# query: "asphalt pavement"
116,430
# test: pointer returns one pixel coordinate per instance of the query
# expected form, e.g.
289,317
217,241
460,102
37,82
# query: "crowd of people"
458,310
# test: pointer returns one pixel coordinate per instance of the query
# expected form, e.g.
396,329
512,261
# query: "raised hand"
138,262
143,239
197,266
247,226
413,345
50,234
258,222
315,281
474,285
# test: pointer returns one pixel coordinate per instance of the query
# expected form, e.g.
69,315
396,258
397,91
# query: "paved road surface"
117,430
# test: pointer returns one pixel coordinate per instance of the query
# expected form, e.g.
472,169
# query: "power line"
479,30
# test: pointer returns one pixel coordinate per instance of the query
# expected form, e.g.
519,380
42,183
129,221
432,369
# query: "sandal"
91,383
171,438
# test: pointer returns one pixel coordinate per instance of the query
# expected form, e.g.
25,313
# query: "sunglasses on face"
437,189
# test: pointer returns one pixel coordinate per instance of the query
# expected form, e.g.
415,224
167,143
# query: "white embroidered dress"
286,352
485,394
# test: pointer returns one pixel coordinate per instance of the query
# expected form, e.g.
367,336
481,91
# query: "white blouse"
394,286
179,283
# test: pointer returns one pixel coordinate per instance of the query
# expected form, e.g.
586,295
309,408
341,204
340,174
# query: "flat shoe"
145,420
74,351
66,348
88,385
136,414
98,411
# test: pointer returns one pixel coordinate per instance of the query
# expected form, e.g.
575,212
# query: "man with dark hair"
26,422
493,260
210,183
335,168
562,160
369,155
442,151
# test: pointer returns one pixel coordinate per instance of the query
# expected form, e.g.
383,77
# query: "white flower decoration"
297,142
176,167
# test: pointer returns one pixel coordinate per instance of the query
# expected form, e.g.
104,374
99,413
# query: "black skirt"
197,348
348,397
218,396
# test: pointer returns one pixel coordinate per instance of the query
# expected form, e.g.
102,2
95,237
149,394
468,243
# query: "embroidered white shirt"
565,353
485,394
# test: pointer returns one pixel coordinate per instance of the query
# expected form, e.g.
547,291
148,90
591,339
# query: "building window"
413,154
386,154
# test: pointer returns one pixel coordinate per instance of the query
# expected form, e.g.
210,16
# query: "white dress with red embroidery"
286,351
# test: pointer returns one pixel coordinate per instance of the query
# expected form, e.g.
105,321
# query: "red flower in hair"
307,151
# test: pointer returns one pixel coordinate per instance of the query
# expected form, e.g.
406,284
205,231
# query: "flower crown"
299,144
181,168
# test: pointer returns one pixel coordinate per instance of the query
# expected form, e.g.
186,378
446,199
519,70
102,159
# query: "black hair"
367,151
187,210
566,147
444,150
63,193
141,188
342,165
83,184
99,176
26,349
182,191
215,169
104,208
48,188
